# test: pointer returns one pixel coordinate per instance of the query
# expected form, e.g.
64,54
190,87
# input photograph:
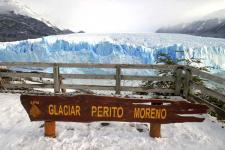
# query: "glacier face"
115,48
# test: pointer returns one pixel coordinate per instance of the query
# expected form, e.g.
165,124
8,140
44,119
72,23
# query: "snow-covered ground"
17,132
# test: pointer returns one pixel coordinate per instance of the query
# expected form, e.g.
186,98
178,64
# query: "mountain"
212,25
14,27
19,23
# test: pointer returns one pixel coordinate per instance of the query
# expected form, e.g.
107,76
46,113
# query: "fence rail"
56,76
87,65
207,76
207,91
181,78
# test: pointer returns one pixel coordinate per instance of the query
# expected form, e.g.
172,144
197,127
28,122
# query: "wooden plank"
214,108
26,64
25,91
37,80
148,78
128,66
112,77
118,79
178,83
142,89
25,75
89,108
209,92
89,87
88,76
206,75
16,86
87,65
149,66
56,79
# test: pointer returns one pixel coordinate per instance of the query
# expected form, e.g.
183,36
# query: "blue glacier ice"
115,48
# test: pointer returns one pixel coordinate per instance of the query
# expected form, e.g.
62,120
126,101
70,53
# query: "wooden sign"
90,108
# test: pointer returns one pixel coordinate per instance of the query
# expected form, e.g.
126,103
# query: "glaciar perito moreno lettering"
115,48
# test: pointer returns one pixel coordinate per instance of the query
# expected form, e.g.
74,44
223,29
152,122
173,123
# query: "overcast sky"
121,15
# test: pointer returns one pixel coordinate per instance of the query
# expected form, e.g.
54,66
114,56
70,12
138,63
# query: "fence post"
155,128
118,79
178,82
50,129
50,126
56,79
188,76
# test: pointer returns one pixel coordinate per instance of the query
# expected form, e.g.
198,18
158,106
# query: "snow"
115,48
17,132
8,6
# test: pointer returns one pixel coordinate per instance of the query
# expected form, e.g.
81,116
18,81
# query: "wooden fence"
207,91
181,77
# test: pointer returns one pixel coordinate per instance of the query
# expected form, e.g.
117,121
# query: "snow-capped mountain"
18,22
212,25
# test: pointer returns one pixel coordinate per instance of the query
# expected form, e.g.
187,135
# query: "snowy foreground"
17,132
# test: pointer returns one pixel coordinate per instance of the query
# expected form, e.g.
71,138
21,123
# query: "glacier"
115,48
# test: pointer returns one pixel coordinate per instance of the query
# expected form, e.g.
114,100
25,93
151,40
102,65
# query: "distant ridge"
212,25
